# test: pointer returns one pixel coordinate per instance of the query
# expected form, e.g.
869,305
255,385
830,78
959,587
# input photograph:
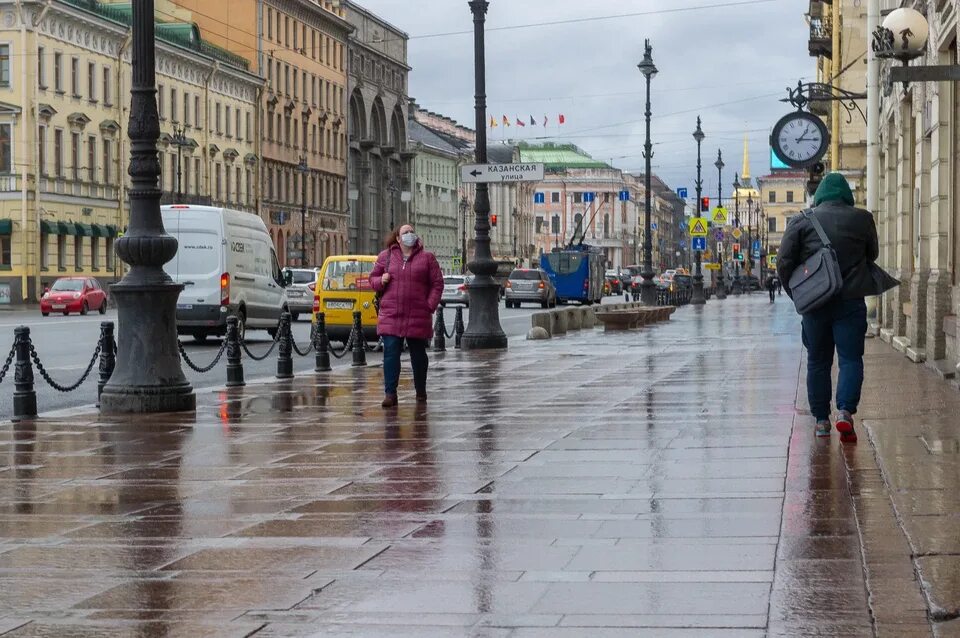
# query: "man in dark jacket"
841,324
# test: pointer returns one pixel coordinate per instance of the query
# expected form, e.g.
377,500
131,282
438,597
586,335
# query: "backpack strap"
816,225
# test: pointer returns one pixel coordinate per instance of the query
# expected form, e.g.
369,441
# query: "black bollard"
439,332
321,344
108,356
24,397
285,359
458,327
359,341
234,353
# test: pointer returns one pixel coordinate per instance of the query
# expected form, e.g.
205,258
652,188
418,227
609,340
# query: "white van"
226,262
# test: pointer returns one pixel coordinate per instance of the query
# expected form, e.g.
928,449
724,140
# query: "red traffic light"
704,204
493,220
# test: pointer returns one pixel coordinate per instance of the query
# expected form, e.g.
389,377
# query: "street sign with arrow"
492,173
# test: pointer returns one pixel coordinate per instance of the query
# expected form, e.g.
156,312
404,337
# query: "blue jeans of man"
841,325
392,348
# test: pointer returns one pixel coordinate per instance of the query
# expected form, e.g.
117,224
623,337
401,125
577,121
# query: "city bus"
577,272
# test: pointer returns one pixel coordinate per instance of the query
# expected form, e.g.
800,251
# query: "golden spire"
745,173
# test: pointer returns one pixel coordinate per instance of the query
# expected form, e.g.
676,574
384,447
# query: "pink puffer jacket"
412,294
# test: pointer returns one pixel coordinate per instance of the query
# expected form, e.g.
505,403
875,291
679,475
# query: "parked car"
615,282
303,285
228,267
74,294
455,290
633,286
530,285
344,287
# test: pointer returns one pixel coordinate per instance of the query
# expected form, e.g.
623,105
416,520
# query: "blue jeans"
392,347
842,326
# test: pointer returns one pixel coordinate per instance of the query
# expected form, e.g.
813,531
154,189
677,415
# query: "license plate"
58,307
184,306
294,293
339,305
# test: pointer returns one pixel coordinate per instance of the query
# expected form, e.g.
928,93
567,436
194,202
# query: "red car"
74,294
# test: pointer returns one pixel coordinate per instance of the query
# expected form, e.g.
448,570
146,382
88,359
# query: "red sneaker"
845,427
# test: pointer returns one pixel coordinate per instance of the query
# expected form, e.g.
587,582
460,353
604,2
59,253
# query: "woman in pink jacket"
411,282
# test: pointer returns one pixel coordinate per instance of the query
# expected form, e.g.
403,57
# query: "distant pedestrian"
841,324
411,284
771,285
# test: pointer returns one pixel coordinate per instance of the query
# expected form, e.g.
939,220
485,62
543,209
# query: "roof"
500,154
420,134
558,157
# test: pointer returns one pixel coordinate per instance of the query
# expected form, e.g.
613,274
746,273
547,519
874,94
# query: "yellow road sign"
771,261
712,266
698,227
737,233
719,215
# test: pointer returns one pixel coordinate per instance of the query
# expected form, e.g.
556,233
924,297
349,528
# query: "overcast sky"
730,64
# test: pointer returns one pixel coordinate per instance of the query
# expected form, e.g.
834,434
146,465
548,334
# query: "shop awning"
49,228
84,230
111,230
99,231
67,228
6,227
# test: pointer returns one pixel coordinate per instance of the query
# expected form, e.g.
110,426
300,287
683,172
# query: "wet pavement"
654,483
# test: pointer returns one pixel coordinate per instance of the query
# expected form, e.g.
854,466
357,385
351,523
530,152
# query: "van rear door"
198,263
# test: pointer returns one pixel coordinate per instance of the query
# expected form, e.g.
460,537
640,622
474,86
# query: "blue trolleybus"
576,272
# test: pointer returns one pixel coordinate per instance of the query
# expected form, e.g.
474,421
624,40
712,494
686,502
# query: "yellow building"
783,194
65,78
300,50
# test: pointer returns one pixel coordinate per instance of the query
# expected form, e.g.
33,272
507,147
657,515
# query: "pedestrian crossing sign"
698,227
719,215
771,261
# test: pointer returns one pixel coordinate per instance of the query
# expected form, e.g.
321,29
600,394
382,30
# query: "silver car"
530,285
455,290
300,292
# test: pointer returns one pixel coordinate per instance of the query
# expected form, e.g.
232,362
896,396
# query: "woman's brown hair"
392,238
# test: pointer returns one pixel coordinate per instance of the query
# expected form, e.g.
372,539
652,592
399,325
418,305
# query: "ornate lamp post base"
697,298
648,290
148,376
483,331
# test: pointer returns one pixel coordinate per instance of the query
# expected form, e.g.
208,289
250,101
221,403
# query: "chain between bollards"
108,356
234,354
25,396
439,332
359,342
285,357
321,344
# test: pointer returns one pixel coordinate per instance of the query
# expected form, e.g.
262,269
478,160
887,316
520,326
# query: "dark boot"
389,401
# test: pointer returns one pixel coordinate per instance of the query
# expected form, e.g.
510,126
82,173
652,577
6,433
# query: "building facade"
919,209
783,194
299,49
433,208
379,162
65,79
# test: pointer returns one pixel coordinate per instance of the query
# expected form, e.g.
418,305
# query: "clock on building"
799,139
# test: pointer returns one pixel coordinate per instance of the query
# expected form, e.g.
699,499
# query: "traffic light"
704,204
816,176
737,255
493,219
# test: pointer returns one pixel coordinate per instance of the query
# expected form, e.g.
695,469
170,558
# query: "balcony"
821,42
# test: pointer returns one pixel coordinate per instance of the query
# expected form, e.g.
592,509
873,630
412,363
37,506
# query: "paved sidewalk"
655,483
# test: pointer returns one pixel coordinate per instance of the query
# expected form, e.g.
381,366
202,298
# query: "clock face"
799,139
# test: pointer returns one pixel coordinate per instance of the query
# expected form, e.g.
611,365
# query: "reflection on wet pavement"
622,484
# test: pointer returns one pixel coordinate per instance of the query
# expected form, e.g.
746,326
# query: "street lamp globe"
646,66
719,163
910,32
698,134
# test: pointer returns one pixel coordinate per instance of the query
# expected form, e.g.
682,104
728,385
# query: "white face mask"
409,239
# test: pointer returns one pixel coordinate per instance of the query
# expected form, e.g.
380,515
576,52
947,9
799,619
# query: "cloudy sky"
730,64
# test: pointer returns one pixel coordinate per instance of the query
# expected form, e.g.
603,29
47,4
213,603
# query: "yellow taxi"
343,286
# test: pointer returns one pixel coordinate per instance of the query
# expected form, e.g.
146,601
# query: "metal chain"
53,384
346,348
309,349
6,364
203,369
273,346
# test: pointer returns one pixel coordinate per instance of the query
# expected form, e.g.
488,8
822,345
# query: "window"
42,149
58,72
227,114
75,76
4,65
270,128
58,152
41,68
197,119
578,198
286,79
110,253
95,253
789,197
186,109
286,30
249,184
296,91
92,81
160,102
107,82
296,38
772,224
78,252
219,182
269,23
227,192
217,120
92,158
249,131
75,156
237,182
238,130
185,170
772,197
173,104
61,252
198,176
107,161
6,148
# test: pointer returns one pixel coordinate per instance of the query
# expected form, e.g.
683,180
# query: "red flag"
521,122
562,119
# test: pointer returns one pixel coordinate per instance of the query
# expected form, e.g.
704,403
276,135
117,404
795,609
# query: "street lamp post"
721,289
698,298
761,231
179,140
749,241
648,290
464,207
147,376
736,224
484,331
304,170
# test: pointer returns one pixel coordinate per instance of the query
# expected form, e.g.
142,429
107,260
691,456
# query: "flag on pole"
521,122
545,121
493,122
562,119
533,122
506,121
